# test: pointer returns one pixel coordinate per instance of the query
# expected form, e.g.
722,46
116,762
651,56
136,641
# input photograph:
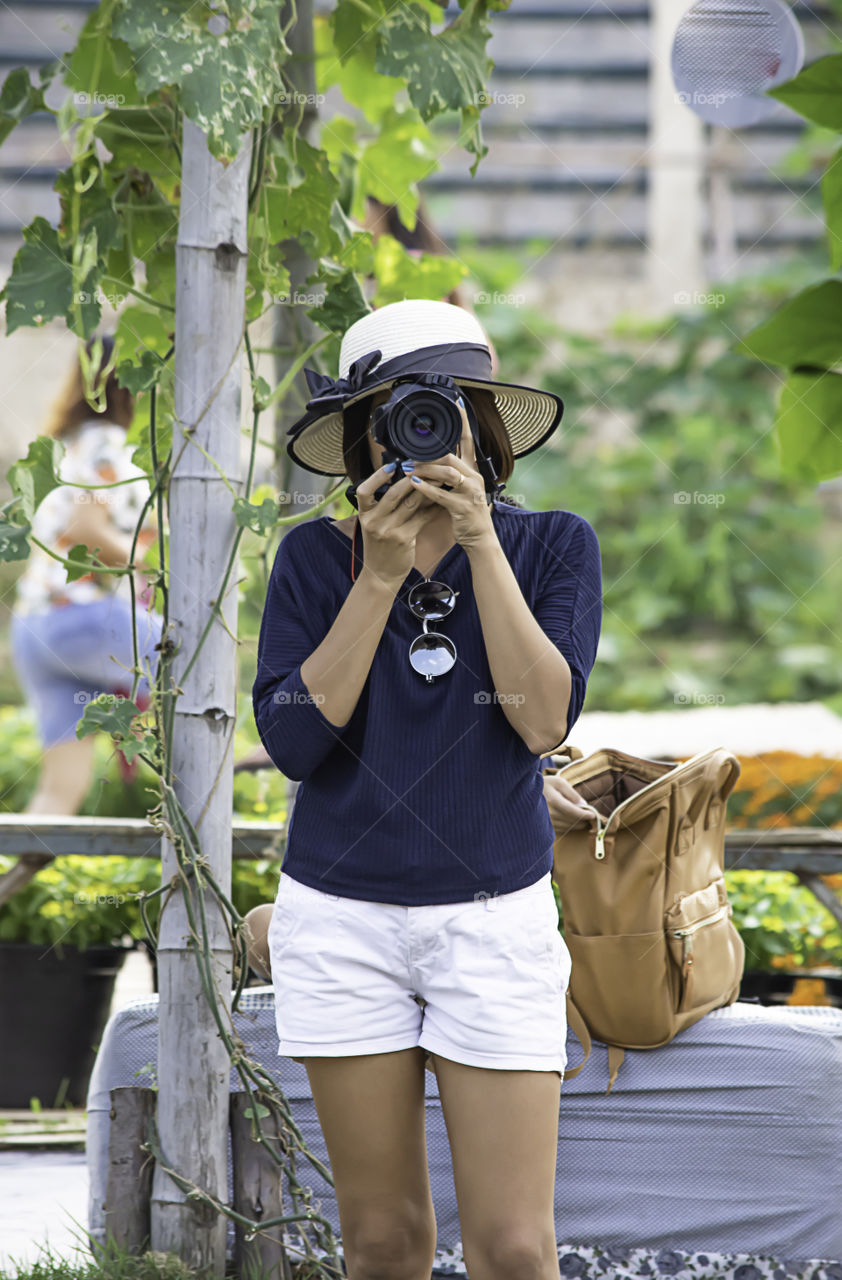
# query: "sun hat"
417,335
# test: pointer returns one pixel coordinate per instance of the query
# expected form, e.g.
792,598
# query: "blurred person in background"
73,640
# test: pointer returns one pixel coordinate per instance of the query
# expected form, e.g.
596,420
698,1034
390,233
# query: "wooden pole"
129,1183
257,1192
675,256
193,1061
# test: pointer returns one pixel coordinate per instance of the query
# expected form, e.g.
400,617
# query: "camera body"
421,421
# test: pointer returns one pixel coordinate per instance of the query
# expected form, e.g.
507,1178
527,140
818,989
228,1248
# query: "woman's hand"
466,501
567,808
390,526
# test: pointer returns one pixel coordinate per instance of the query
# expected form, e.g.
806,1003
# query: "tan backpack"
647,919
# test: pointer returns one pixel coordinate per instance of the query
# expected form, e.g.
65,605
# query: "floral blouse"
96,452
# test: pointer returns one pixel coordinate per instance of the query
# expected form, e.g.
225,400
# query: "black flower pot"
774,987
54,1005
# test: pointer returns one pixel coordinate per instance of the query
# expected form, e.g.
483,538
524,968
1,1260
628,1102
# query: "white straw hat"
417,335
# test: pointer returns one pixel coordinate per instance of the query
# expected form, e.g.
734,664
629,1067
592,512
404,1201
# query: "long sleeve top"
427,794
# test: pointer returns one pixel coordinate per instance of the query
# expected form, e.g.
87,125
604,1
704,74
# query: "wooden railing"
807,852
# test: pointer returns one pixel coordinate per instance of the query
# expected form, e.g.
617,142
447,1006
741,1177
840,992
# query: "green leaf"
18,99
265,273
361,85
443,72
101,66
343,304
808,430
225,63
353,25
816,92
40,287
299,204
37,474
82,562
258,1109
399,275
141,376
832,199
806,330
400,157
14,543
358,253
110,713
143,138
260,519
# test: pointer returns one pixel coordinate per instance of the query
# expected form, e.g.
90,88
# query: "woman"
415,920
73,639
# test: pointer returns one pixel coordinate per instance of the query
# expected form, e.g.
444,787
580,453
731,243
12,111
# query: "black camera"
421,421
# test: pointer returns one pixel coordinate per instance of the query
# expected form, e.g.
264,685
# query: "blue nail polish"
415,479
407,466
389,466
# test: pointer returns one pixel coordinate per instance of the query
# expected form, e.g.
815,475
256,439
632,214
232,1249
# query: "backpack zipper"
711,919
602,824
686,934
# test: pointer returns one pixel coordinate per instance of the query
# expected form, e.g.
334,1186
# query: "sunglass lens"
432,654
432,600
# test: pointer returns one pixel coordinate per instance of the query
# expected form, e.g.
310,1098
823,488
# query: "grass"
105,1262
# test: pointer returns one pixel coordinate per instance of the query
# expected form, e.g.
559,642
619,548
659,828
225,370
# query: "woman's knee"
397,1246
514,1252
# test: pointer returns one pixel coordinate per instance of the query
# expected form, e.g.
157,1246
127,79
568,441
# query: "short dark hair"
494,438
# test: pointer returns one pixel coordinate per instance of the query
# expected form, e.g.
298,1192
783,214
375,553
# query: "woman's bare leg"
66,770
503,1131
371,1111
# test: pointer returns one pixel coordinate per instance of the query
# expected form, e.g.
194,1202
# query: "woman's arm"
539,691
304,694
532,679
336,671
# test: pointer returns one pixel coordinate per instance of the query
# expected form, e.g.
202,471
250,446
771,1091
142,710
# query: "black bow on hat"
330,394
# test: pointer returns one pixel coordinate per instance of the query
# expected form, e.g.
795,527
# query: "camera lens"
421,422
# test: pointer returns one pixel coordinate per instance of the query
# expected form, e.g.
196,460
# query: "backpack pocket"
626,986
706,950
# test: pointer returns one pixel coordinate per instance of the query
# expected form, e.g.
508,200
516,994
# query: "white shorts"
481,982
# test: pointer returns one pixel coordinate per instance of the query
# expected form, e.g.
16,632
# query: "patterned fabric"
727,1137
95,453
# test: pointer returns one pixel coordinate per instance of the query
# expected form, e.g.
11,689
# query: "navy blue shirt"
427,794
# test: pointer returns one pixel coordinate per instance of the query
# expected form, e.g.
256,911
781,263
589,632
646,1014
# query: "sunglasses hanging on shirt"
431,654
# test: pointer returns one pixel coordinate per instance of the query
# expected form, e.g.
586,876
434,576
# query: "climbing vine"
136,71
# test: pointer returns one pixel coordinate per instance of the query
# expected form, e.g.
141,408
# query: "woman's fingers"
566,807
